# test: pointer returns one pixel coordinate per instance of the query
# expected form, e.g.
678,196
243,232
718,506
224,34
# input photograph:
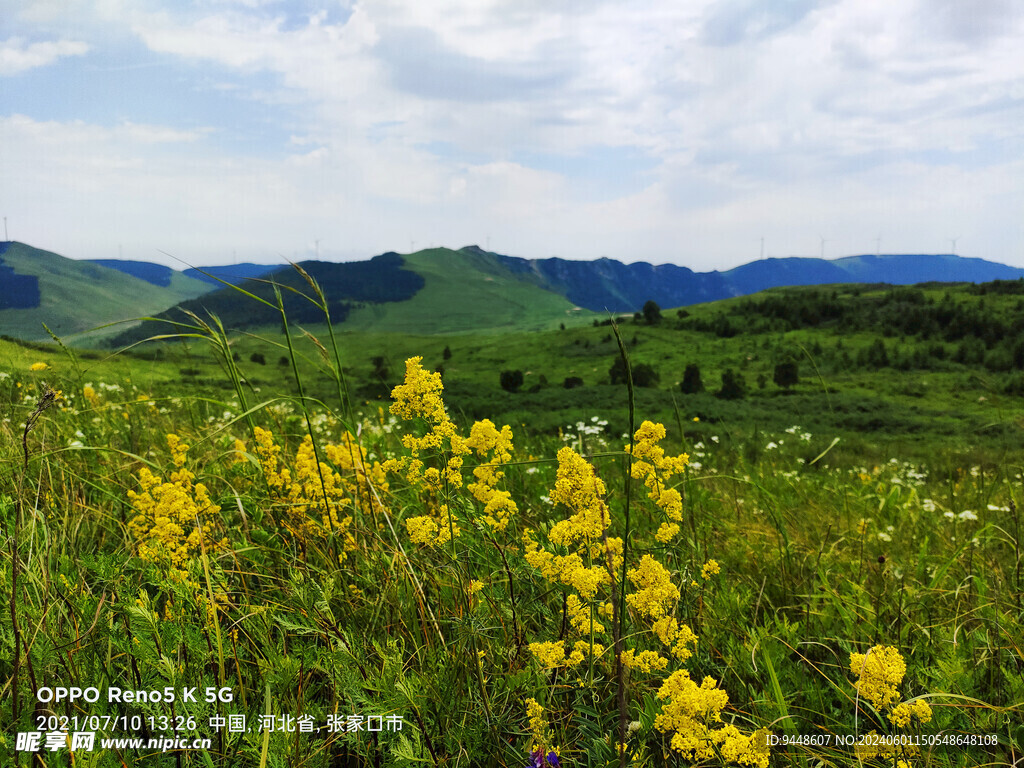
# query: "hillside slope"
432,291
70,296
466,290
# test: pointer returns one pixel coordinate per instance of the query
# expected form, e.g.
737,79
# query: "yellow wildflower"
486,440
580,650
579,488
645,661
879,673
173,520
667,532
580,617
903,712
710,567
655,593
38,367
651,465
690,712
538,727
317,498
548,654
90,395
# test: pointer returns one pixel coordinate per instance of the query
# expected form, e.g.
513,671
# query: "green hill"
466,291
74,296
433,291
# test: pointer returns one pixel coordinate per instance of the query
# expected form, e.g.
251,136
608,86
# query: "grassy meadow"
335,543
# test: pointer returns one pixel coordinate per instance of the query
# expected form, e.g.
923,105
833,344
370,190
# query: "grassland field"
248,513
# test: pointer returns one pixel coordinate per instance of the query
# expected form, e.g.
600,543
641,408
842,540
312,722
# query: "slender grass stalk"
344,398
309,423
619,617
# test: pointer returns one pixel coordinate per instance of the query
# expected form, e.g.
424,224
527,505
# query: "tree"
691,383
447,354
874,356
652,313
733,386
511,381
786,374
258,358
643,374
381,370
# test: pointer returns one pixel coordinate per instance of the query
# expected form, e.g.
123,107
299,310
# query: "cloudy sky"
680,132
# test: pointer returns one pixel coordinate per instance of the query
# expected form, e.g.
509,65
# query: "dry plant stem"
619,606
309,424
15,628
46,399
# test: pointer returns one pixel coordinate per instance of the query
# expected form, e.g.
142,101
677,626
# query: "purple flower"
537,760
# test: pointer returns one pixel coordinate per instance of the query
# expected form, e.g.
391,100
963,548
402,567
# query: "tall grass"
326,576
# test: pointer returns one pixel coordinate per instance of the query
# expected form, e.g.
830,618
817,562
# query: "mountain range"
438,290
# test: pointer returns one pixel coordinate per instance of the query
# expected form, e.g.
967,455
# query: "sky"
704,133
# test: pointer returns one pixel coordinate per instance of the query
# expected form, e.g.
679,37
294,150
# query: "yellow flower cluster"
710,568
172,520
651,465
316,495
583,534
880,672
645,661
90,395
579,488
38,367
425,529
679,637
420,397
495,447
903,712
567,569
580,616
552,655
655,590
548,654
539,728
692,711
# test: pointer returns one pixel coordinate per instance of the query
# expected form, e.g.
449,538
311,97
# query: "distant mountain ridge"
438,290
605,284
158,274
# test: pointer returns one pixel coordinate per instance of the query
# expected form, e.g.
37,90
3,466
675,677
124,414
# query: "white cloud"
18,55
407,120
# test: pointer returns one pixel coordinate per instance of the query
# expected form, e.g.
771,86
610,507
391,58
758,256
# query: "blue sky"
677,132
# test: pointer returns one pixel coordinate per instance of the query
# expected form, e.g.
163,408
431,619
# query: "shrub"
643,374
691,383
511,381
652,313
786,374
733,386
